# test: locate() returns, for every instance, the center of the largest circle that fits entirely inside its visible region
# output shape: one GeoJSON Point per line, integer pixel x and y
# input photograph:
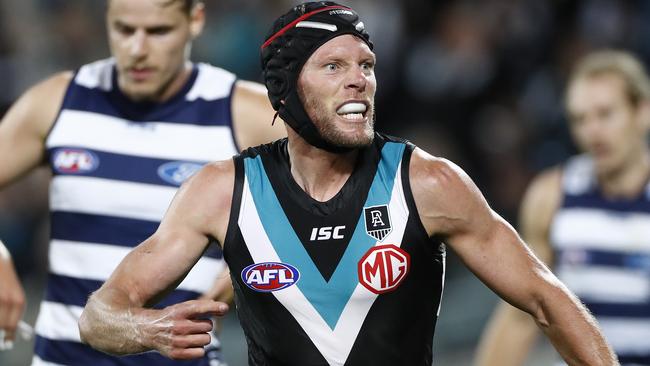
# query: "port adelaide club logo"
{"type": "Point", "coordinates": [270, 276]}
{"type": "Point", "coordinates": [377, 221]}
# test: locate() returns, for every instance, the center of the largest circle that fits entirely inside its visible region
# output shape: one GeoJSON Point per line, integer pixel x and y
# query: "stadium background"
{"type": "Point", "coordinates": [476, 81]}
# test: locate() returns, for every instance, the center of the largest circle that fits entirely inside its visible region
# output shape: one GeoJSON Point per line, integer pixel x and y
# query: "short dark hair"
{"type": "Point", "coordinates": [187, 4]}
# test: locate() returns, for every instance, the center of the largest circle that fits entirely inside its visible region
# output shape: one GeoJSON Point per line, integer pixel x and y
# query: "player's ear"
{"type": "Point", "coordinates": [197, 19]}
{"type": "Point", "coordinates": [643, 115]}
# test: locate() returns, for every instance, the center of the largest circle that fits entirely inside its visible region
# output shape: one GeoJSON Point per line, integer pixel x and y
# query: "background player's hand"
{"type": "Point", "coordinates": [12, 300]}
{"type": "Point", "coordinates": [181, 331]}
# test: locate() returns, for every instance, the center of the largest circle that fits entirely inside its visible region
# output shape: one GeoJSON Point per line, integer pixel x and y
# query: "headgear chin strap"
{"type": "Point", "coordinates": [291, 41]}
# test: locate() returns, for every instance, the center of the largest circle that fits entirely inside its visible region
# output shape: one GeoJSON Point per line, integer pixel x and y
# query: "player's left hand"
{"type": "Point", "coordinates": [181, 331]}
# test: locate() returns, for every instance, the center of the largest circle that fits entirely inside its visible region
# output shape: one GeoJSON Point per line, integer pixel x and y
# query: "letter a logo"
{"type": "Point", "coordinates": [377, 221]}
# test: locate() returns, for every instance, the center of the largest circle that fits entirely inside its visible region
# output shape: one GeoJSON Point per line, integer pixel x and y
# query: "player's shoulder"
{"type": "Point", "coordinates": [274, 148]}
{"type": "Point", "coordinates": [55, 84]}
{"type": "Point", "coordinates": [39, 105]}
{"type": "Point", "coordinates": [435, 172]}
{"type": "Point", "coordinates": [214, 174]}
{"type": "Point", "coordinates": [545, 186]}
{"type": "Point", "coordinates": [250, 94]}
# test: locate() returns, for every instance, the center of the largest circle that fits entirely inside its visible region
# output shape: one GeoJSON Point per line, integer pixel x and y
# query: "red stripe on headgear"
{"type": "Point", "coordinates": [300, 19]}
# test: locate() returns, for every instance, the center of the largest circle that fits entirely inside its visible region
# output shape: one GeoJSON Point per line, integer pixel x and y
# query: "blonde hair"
{"type": "Point", "coordinates": [621, 63]}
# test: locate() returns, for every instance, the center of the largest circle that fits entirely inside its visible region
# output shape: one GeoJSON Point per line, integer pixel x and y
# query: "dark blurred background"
{"type": "Point", "coordinates": [476, 81]}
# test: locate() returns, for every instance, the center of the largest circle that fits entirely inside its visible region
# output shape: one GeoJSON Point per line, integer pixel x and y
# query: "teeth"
{"type": "Point", "coordinates": [349, 108]}
{"type": "Point", "coordinates": [352, 115]}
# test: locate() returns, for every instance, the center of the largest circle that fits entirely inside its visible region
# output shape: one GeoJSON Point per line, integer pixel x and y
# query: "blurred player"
{"type": "Point", "coordinates": [120, 136]}
{"type": "Point", "coordinates": [590, 218]}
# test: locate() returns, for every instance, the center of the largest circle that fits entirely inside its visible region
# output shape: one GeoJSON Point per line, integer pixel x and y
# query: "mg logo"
{"type": "Point", "coordinates": [383, 268]}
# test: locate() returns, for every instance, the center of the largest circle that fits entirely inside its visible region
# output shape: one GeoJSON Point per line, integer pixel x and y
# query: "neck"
{"type": "Point", "coordinates": [320, 173]}
{"type": "Point", "coordinates": [176, 83]}
{"type": "Point", "coordinates": [167, 90]}
{"type": "Point", "coordinates": [629, 180]}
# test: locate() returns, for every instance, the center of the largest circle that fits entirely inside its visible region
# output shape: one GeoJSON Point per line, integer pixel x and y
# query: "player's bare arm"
{"type": "Point", "coordinates": [510, 334]}
{"type": "Point", "coordinates": [451, 206]}
{"type": "Point", "coordinates": [25, 126]}
{"type": "Point", "coordinates": [116, 319]}
{"type": "Point", "coordinates": [253, 115]}
{"type": "Point", "coordinates": [23, 130]}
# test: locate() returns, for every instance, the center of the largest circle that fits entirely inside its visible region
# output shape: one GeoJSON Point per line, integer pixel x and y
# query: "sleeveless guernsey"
{"type": "Point", "coordinates": [602, 253]}
{"type": "Point", "coordinates": [351, 281]}
{"type": "Point", "coordinates": [116, 165]}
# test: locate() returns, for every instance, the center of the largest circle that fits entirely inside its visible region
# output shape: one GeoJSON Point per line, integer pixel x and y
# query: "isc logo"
{"type": "Point", "coordinates": [326, 233]}
{"type": "Point", "coordinates": [383, 268]}
{"type": "Point", "coordinates": [270, 276]}
{"type": "Point", "coordinates": [74, 161]}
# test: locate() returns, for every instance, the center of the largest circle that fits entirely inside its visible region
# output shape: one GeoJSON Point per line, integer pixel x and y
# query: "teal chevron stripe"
{"type": "Point", "coordinates": [328, 298]}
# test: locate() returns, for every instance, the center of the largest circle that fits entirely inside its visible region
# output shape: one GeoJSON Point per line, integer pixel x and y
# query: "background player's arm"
{"type": "Point", "coordinates": [23, 130]}
{"type": "Point", "coordinates": [253, 114]}
{"type": "Point", "coordinates": [116, 319]}
{"type": "Point", "coordinates": [25, 126]}
{"type": "Point", "coordinates": [222, 289]}
{"type": "Point", "coordinates": [511, 333]}
{"type": "Point", "coordinates": [451, 206]}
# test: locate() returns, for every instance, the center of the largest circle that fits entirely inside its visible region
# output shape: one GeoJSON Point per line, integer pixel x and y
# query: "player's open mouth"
{"type": "Point", "coordinates": [140, 73]}
{"type": "Point", "coordinates": [353, 111]}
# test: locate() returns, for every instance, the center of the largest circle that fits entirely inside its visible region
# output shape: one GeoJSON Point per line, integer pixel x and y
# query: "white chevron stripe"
{"type": "Point", "coordinates": [335, 345]}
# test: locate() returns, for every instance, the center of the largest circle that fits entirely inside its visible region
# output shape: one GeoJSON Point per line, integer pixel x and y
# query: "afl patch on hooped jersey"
{"type": "Point", "coordinates": [74, 161]}
{"type": "Point", "coordinates": [270, 276]}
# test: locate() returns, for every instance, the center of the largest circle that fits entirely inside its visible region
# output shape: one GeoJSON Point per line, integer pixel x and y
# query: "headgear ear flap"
{"type": "Point", "coordinates": [276, 83]}
{"type": "Point", "coordinates": [292, 39]}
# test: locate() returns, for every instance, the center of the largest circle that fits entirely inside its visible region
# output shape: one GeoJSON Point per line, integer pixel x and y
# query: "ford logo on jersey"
{"type": "Point", "coordinates": [270, 276]}
{"type": "Point", "coordinates": [177, 172]}
{"type": "Point", "coordinates": [74, 161]}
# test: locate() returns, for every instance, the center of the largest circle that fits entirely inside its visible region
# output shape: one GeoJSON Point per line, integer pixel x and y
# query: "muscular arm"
{"type": "Point", "coordinates": [25, 126]}
{"type": "Point", "coordinates": [253, 114]}
{"type": "Point", "coordinates": [452, 207]}
{"type": "Point", "coordinates": [116, 318]}
{"type": "Point", "coordinates": [510, 334]}
{"type": "Point", "coordinates": [22, 144]}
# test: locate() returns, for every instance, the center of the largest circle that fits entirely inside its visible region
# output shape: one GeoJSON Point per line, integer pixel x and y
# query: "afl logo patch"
{"type": "Point", "coordinates": [74, 161]}
{"type": "Point", "coordinates": [377, 221]}
{"type": "Point", "coordinates": [270, 276]}
{"type": "Point", "coordinates": [177, 172]}
{"type": "Point", "coordinates": [383, 268]}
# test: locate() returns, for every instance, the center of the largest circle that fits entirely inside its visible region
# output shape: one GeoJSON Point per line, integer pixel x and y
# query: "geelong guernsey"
{"type": "Point", "coordinates": [602, 253]}
{"type": "Point", "coordinates": [352, 281]}
{"type": "Point", "coordinates": [116, 165]}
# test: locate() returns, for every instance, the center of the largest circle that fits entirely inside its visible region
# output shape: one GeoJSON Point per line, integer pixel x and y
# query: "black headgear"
{"type": "Point", "coordinates": [292, 39]}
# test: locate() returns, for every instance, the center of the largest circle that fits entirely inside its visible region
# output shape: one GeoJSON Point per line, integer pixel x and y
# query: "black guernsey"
{"type": "Point", "coordinates": [351, 281]}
